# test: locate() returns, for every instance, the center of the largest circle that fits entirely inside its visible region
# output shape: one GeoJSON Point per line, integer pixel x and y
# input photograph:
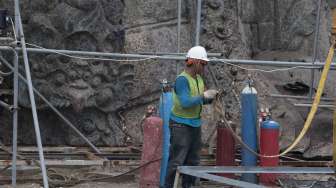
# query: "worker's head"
{"type": "Point", "coordinates": [197, 58]}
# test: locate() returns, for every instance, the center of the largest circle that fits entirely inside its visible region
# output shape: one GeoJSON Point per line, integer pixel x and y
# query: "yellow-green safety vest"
{"type": "Point", "coordinates": [196, 87]}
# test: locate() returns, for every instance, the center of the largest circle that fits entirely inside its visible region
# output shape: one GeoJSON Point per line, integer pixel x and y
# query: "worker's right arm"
{"type": "Point", "coordinates": [182, 91]}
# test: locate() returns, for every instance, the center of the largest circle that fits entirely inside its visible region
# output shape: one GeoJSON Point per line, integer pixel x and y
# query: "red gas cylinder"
{"type": "Point", "coordinates": [269, 145]}
{"type": "Point", "coordinates": [151, 153]}
{"type": "Point", "coordinates": [225, 152]}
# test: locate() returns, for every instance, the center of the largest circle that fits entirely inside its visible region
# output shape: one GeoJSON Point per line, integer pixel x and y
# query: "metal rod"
{"type": "Point", "coordinates": [179, 7]}
{"type": "Point", "coordinates": [15, 115]}
{"type": "Point", "coordinates": [55, 110]}
{"type": "Point", "coordinates": [317, 65]}
{"type": "Point", "coordinates": [297, 97]}
{"type": "Point", "coordinates": [320, 106]}
{"type": "Point", "coordinates": [198, 22]}
{"type": "Point", "coordinates": [256, 169]}
{"type": "Point", "coordinates": [16, 21]}
{"type": "Point", "coordinates": [316, 36]}
{"type": "Point", "coordinates": [178, 54]}
{"type": "Point", "coordinates": [223, 180]}
{"type": "Point", "coordinates": [6, 106]}
{"type": "Point", "coordinates": [31, 95]}
{"type": "Point", "coordinates": [97, 54]}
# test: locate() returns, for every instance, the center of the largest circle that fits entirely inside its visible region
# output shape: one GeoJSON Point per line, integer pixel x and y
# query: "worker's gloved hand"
{"type": "Point", "coordinates": [210, 94]}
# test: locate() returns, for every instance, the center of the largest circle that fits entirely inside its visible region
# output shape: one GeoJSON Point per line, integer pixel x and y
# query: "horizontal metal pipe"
{"type": "Point", "coordinates": [298, 97]}
{"type": "Point", "coordinates": [317, 65]}
{"type": "Point", "coordinates": [273, 63]}
{"type": "Point", "coordinates": [224, 180]}
{"type": "Point", "coordinates": [255, 169]}
{"type": "Point", "coordinates": [320, 106]}
{"type": "Point", "coordinates": [178, 54]}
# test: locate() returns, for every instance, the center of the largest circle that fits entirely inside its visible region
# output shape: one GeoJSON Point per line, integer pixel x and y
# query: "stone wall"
{"type": "Point", "coordinates": [107, 99]}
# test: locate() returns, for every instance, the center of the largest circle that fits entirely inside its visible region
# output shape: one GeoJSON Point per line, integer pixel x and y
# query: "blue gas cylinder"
{"type": "Point", "coordinates": [166, 104]}
{"type": "Point", "coordinates": [249, 130]}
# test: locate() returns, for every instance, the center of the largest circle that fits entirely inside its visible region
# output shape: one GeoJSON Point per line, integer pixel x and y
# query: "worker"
{"type": "Point", "coordinates": [185, 120]}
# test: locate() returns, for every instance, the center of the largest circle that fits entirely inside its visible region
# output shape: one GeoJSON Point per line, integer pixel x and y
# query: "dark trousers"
{"type": "Point", "coordinates": [185, 146]}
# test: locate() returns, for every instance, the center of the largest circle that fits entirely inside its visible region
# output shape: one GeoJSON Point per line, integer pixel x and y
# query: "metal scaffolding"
{"type": "Point", "coordinates": [198, 22]}
{"type": "Point", "coordinates": [206, 172]}
{"type": "Point", "coordinates": [202, 172]}
{"type": "Point", "coordinates": [31, 93]}
{"type": "Point", "coordinates": [123, 56]}
{"type": "Point", "coordinates": [179, 7]}
{"type": "Point", "coordinates": [316, 37]}
{"type": "Point", "coordinates": [14, 110]}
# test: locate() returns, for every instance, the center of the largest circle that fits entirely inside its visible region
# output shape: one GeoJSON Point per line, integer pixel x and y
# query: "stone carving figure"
{"type": "Point", "coordinates": [88, 90]}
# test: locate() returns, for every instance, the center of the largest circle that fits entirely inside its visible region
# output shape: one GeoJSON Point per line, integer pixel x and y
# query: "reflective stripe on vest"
{"type": "Point", "coordinates": [196, 87]}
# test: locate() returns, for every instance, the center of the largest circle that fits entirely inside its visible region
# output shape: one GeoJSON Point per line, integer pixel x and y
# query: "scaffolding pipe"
{"type": "Point", "coordinates": [179, 7]}
{"type": "Point", "coordinates": [318, 65]}
{"type": "Point", "coordinates": [309, 105]}
{"type": "Point", "coordinates": [316, 36]}
{"type": "Point", "coordinates": [297, 97]}
{"type": "Point", "coordinates": [198, 22]}
{"type": "Point", "coordinates": [6, 106]}
{"type": "Point", "coordinates": [178, 54]}
{"type": "Point", "coordinates": [220, 179]}
{"type": "Point", "coordinates": [31, 94]}
{"type": "Point", "coordinates": [55, 110]}
{"type": "Point", "coordinates": [303, 65]}
{"type": "Point", "coordinates": [256, 169]}
{"type": "Point", "coordinates": [15, 114]}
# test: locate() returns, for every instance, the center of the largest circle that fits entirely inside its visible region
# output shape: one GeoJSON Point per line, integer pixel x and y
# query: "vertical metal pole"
{"type": "Point", "coordinates": [31, 94]}
{"type": "Point", "coordinates": [316, 36]}
{"type": "Point", "coordinates": [15, 116]}
{"type": "Point", "coordinates": [198, 22]}
{"type": "Point", "coordinates": [16, 21]}
{"type": "Point", "coordinates": [334, 137]}
{"type": "Point", "coordinates": [179, 7]}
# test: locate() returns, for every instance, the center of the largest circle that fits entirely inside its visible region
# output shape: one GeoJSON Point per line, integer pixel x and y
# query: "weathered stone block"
{"type": "Point", "coordinates": [265, 35]}
{"type": "Point", "coordinates": [248, 12]}
{"type": "Point", "coordinates": [265, 10]}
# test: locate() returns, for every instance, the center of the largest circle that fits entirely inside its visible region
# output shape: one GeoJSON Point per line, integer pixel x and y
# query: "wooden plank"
{"type": "Point", "coordinates": [58, 149]}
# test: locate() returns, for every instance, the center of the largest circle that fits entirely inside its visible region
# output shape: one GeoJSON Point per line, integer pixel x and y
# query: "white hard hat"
{"type": "Point", "coordinates": [198, 52]}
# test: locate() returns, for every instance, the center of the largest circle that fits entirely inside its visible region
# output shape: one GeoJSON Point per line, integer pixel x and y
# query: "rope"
{"type": "Point", "coordinates": [93, 58]}
{"type": "Point", "coordinates": [130, 171]}
{"type": "Point", "coordinates": [260, 70]}
{"type": "Point", "coordinates": [221, 115]}
{"type": "Point", "coordinates": [316, 102]}
{"type": "Point", "coordinates": [5, 73]}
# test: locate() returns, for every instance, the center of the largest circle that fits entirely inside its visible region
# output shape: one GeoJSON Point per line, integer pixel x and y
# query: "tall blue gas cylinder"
{"type": "Point", "coordinates": [166, 104]}
{"type": "Point", "coordinates": [249, 130]}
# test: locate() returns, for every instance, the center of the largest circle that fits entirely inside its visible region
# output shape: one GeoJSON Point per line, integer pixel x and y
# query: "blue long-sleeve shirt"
{"type": "Point", "coordinates": [182, 91]}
